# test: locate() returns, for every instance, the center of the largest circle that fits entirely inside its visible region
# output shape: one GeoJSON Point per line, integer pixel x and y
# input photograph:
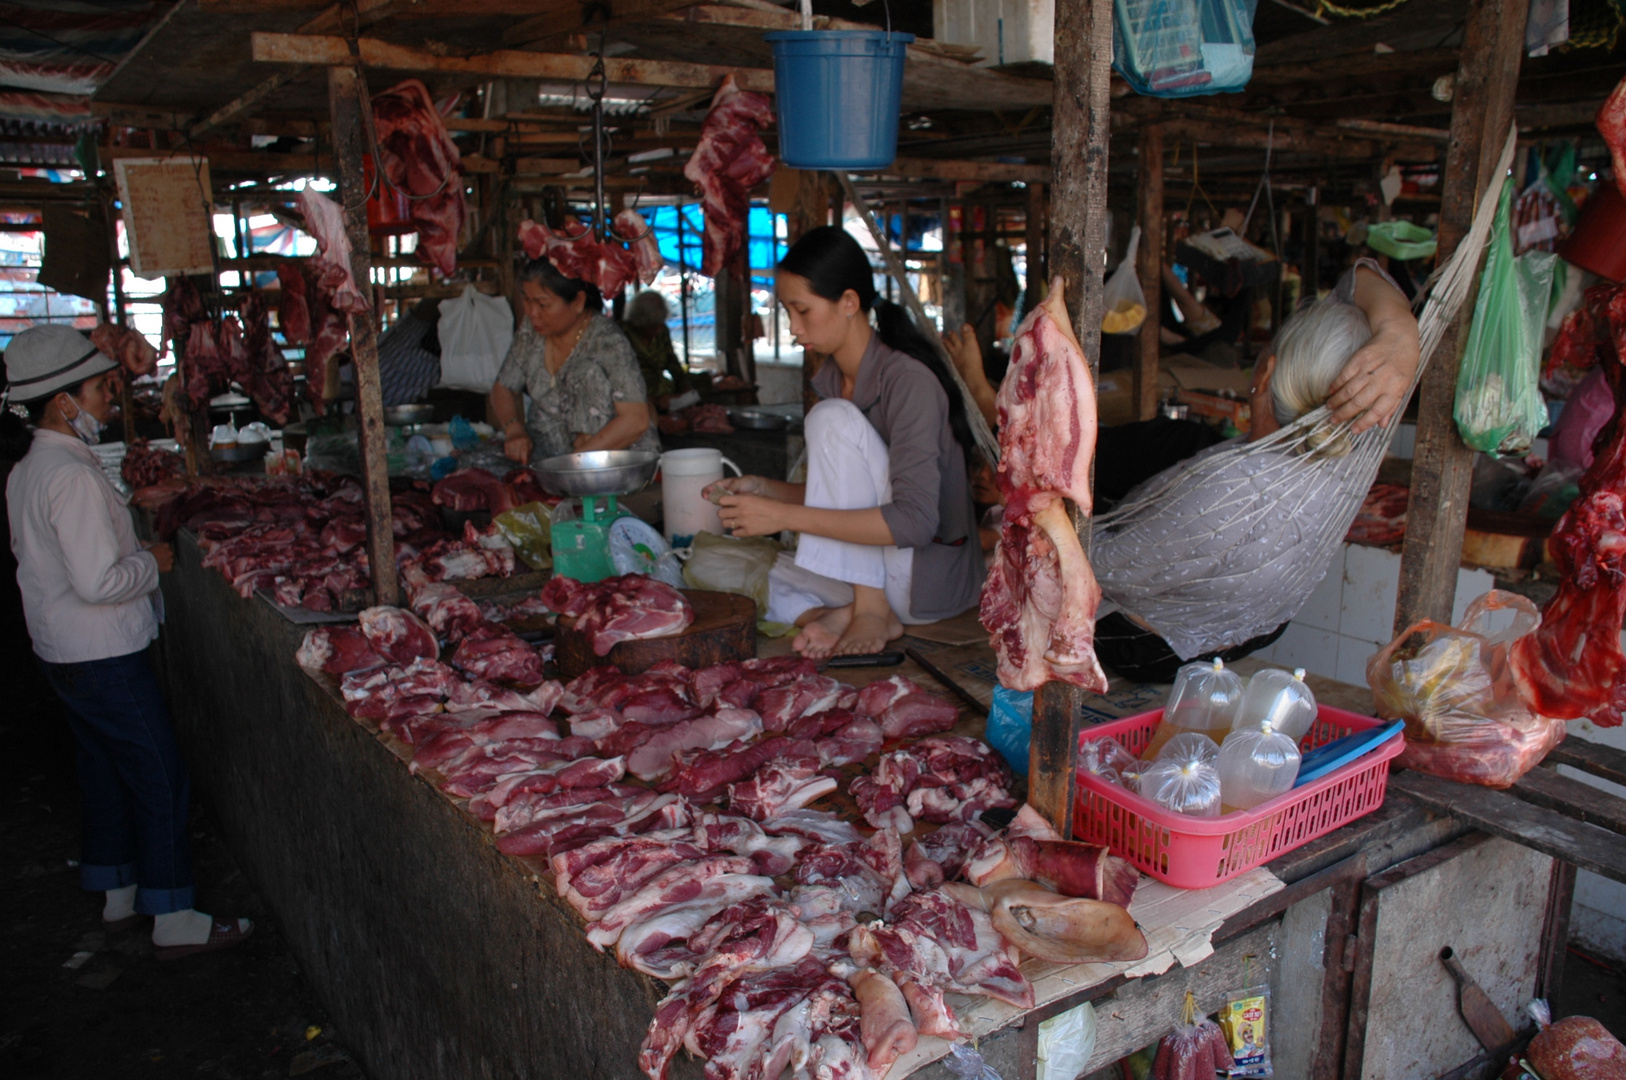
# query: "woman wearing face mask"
{"type": "Point", "coordinates": [888, 528]}
{"type": "Point", "coordinates": [91, 600]}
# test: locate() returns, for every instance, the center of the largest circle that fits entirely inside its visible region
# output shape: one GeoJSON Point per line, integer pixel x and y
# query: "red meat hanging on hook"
{"type": "Point", "coordinates": [575, 254]}
{"type": "Point", "coordinates": [422, 163]}
{"type": "Point", "coordinates": [727, 164]}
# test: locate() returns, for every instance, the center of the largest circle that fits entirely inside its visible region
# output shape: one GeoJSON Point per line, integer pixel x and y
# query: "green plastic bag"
{"type": "Point", "coordinates": [1400, 239]}
{"type": "Point", "coordinates": [1499, 408]}
{"type": "Point", "coordinates": [529, 531]}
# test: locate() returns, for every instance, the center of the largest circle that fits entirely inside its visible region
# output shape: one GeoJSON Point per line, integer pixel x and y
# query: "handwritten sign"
{"type": "Point", "coordinates": [165, 215]}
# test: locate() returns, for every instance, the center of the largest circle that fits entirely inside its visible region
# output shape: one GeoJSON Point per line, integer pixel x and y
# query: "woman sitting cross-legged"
{"type": "Point", "coordinates": [888, 528]}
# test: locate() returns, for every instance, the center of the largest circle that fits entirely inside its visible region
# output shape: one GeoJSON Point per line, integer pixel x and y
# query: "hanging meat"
{"type": "Point", "coordinates": [727, 164]}
{"type": "Point", "coordinates": [1612, 126]}
{"type": "Point", "coordinates": [1572, 665]}
{"type": "Point", "coordinates": [1040, 598]}
{"type": "Point", "coordinates": [268, 380]}
{"type": "Point", "coordinates": [130, 348]}
{"type": "Point", "coordinates": [646, 250]}
{"type": "Point", "coordinates": [325, 219]}
{"type": "Point", "coordinates": [575, 254]}
{"type": "Point", "coordinates": [294, 312]}
{"type": "Point", "coordinates": [421, 160]}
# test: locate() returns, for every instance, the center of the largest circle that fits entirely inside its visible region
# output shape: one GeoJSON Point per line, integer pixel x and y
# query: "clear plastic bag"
{"type": "Point", "coordinates": [966, 1064]}
{"type": "Point", "coordinates": [1282, 699]}
{"type": "Point", "coordinates": [1180, 48]}
{"type": "Point", "coordinates": [1108, 759]}
{"type": "Point", "coordinates": [475, 332]}
{"type": "Point", "coordinates": [1452, 685]}
{"type": "Point", "coordinates": [1499, 408]}
{"type": "Point", "coordinates": [734, 565]}
{"type": "Point", "coordinates": [1256, 764]}
{"type": "Point", "coordinates": [1205, 699]}
{"type": "Point", "coordinates": [1185, 779]}
{"type": "Point", "coordinates": [1124, 303]}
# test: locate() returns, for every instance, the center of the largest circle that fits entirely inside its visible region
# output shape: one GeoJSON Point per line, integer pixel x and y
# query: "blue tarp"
{"type": "Point", "coordinates": [766, 251]}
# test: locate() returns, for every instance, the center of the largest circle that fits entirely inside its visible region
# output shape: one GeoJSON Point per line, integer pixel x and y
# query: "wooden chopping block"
{"type": "Point", "coordinates": [724, 629]}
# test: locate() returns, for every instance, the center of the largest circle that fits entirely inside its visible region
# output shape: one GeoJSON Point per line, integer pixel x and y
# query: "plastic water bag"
{"type": "Point", "coordinates": [1185, 778]}
{"type": "Point", "coordinates": [1283, 700]}
{"type": "Point", "coordinates": [1255, 764]}
{"type": "Point", "coordinates": [1108, 759]}
{"type": "Point", "coordinates": [1205, 699]}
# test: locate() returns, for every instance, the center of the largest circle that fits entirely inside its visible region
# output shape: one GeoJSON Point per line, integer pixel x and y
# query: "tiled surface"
{"type": "Point", "coordinates": [1371, 579]}
{"type": "Point", "coordinates": [1403, 443]}
{"type": "Point", "coordinates": [1321, 610]}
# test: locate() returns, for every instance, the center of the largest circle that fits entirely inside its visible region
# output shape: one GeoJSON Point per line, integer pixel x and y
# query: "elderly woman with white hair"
{"type": "Point", "coordinates": [644, 323]}
{"type": "Point", "coordinates": [1354, 351]}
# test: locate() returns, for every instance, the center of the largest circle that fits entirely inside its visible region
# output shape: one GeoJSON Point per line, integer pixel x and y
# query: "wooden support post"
{"type": "Point", "coordinates": [1080, 130]}
{"type": "Point", "coordinates": [1036, 228]}
{"type": "Point", "coordinates": [1150, 269]}
{"type": "Point", "coordinates": [347, 98]}
{"type": "Point", "coordinates": [1442, 468]}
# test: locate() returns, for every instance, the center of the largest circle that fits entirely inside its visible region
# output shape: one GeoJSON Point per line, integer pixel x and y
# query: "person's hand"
{"type": "Point", "coordinates": [735, 485]}
{"type": "Point", "coordinates": [580, 441]}
{"type": "Point", "coordinates": [164, 555]}
{"type": "Point", "coordinates": [966, 353]}
{"type": "Point", "coordinates": [751, 515]}
{"type": "Point", "coordinates": [1376, 380]}
{"type": "Point", "coordinates": [517, 447]}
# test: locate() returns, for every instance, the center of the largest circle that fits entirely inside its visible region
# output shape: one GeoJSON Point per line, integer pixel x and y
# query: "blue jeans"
{"type": "Point", "coordinates": [136, 792]}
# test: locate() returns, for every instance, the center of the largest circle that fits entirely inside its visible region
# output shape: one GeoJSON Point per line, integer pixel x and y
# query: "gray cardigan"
{"type": "Point", "coordinates": [931, 509]}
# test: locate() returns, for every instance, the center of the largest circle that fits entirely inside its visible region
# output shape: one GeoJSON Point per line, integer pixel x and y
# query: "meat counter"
{"type": "Point", "coordinates": [441, 957]}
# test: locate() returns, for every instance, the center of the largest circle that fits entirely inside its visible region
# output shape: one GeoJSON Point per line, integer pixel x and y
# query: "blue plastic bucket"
{"type": "Point", "coordinates": [838, 94]}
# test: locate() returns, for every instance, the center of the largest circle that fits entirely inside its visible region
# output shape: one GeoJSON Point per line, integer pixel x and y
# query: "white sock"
{"type": "Point", "coordinates": [120, 904]}
{"type": "Point", "coordinates": [186, 927]}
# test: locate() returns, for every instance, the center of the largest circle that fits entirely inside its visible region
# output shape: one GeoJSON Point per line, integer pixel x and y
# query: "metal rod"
{"type": "Point", "coordinates": [683, 288]}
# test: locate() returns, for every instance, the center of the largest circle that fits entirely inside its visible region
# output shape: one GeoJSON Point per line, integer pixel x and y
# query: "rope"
{"type": "Point", "coordinates": [1381, 8]}
{"type": "Point", "coordinates": [1310, 476]}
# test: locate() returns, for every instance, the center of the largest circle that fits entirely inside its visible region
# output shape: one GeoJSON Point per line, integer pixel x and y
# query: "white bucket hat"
{"type": "Point", "coordinates": [45, 359]}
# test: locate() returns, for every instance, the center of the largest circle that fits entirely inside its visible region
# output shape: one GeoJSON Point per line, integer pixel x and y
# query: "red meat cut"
{"type": "Point", "coordinates": [420, 158]}
{"type": "Point", "coordinates": [1572, 665]}
{"type": "Point", "coordinates": [1040, 598]}
{"type": "Point", "coordinates": [325, 219]}
{"type": "Point", "coordinates": [619, 609]}
{"type": "Point", "coordinates": [727, 164]}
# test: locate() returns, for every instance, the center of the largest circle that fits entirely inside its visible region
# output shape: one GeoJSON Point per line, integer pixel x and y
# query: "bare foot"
{"type": "Point", "coordinates": [821, 634]}
{"type": "Point", "coordinates": [868, 633]}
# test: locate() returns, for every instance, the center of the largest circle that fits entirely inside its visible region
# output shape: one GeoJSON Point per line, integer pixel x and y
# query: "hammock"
{"type": "Point", "coordinates": [1310, 477]}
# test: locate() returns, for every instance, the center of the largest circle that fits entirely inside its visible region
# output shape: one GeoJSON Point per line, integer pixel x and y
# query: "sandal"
{"type": "Point", "coordinates": [222, 935]}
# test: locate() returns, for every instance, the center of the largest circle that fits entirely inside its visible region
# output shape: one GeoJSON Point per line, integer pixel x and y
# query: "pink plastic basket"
{"type": "Point", "coordinates": [1195, 853]}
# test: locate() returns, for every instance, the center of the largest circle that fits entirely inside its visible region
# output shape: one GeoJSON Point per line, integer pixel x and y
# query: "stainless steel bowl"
{"type": "Point", "coordinates": [758, 420]}
{"type": "Point", "coordinates": [402, 415]}
{"type": "Point", "coordinates": [598, 472]}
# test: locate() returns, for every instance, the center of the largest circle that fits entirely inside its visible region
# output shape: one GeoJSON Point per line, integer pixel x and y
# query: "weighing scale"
{"type": "Point", "coordinates": [581, 546]}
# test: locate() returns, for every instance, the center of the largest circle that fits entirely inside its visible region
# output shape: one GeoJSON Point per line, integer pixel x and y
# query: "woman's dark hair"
{"type": "Point", "coordinates": [16, 434]}
{"type": "Point", "coordinates": [832, 262]}
{"type": "Point", "coordinates": [545, 274]}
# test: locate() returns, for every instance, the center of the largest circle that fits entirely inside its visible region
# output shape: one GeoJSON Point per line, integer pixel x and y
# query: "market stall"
{"type": "Point", "coordinates": [364, 775]}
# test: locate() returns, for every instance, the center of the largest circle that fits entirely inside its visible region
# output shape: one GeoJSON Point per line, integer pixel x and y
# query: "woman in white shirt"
{"type": "Point", "coordinates": [91, 600]}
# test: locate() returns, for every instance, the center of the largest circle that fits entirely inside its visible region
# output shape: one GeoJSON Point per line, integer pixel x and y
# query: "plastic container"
{"type": "Point", "coordinates": [1282, 699]}
{"type": "Point", "coordinates": [1195, 853]}
{"type": "Point", "coordinates": [1205, 699]}
{"type": "Point", "coordinates": [684, 475]}
{"type": "Point", "coordinates": [838, 95]}
{"type": "Point", "coordinates": [1256, 764]}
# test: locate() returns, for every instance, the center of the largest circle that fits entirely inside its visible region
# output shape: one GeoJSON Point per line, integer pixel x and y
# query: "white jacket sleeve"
{"type": "Point", "coordinates": [90, 545]}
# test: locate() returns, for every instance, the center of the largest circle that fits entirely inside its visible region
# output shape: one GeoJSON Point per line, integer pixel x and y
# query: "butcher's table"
{"type": "Point", "coordinates": [440, 957]}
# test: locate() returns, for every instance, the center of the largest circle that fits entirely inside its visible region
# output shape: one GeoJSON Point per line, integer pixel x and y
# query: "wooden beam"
{"type": "Point", "coordinates": [1215, 132]}
{"type": "Point", "coordinates": [1571, 114]}
{"type": "Point", "coordinates": [1149, 184]}
{"type": "Point", "coordinates": [347, 98]}
{"type": "Point", "coordinates": [317, 163]}
{"type": "Point", "coordinates": [1404, 131]}
{"type": "Point", "coordinates": [1081, 131]}
{"type": "Point", "coordinates": [503, 64]}
{"type": "Point", "coordinates": [417, 9]}
{"type": "Point", "coordinates": [979, 171]}
{"type": "Point", "coordinates": [551, 21]}
{"type": "Point", "coordinates": [246, 101]}
{"type": "Point", "coordinates": [1442, 466]}
{"type": "Point", "coordinates": [1419, 61]}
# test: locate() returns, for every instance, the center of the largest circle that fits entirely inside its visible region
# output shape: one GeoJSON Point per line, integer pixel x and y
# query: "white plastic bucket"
{"type": "Point", "coordinates": [684, 475]}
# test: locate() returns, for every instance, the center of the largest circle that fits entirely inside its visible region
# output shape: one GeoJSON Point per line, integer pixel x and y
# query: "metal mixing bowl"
{"type": "Point", "coordinates": [598, 472]}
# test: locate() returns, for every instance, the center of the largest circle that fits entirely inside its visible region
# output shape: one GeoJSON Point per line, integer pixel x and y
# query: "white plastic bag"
{"type": "Point", "coordinates": [1125, 302]}
{"type": "Point", "coordinates": [475, 333]}
{"type": "Point", "coordinates": [1066, 1043]}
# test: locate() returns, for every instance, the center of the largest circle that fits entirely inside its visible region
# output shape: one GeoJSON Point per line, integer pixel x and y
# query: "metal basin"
{"type": "Point", "coordinates": [402, 415]}
{"type": "Point", "coordinates": [598, 472]}
{"type": "Point", "coordinates": [757, 420]}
